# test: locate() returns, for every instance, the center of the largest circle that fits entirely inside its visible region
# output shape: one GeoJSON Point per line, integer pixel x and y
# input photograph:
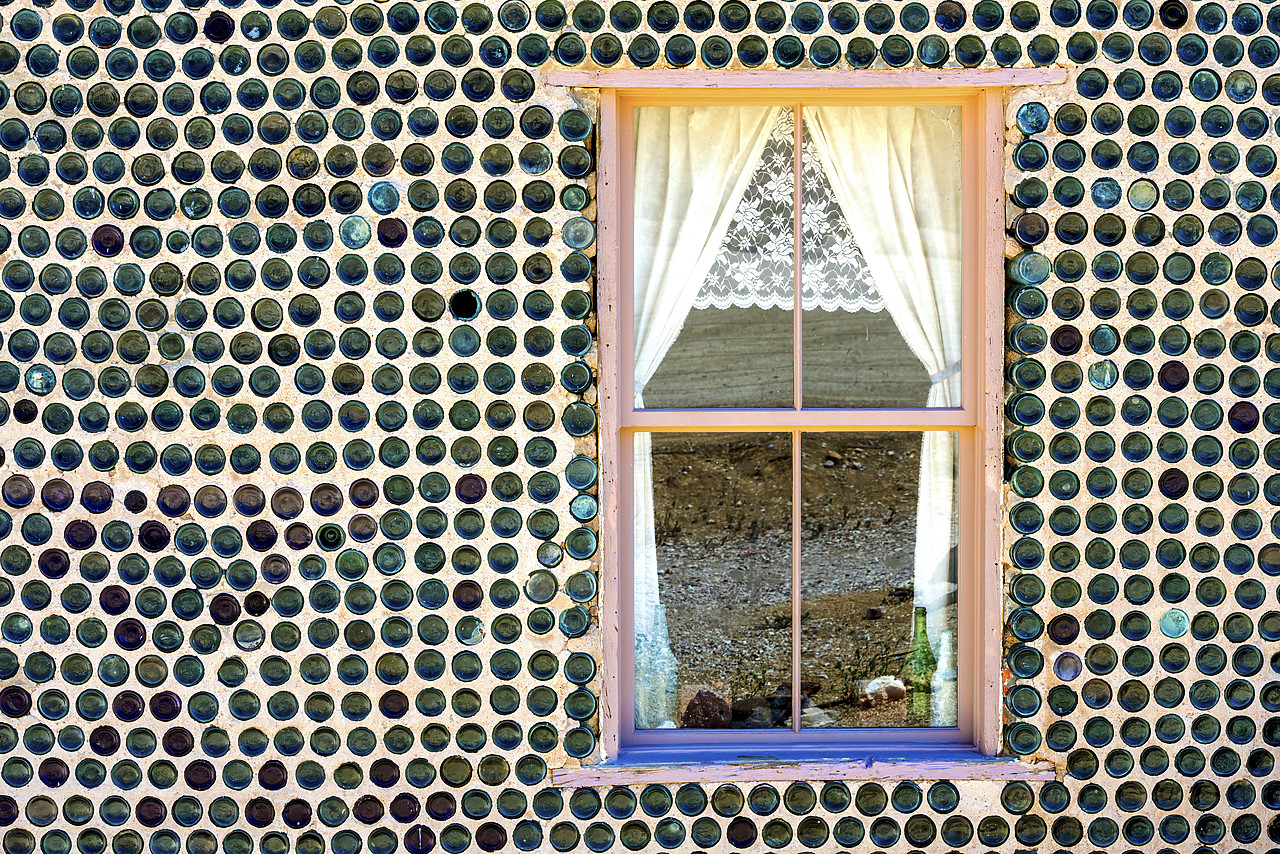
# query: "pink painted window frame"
{"type": "Point", "coordinates": [981, 596]}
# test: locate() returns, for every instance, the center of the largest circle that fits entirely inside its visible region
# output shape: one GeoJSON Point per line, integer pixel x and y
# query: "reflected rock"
{"type": "Point", "coordinates": [754, 713]}
{"type": "Point", "coordinates": [884, 689]}
{"type": "Point", "coordinates": [813, 716]}
{"type": "Point", "coordinates": [707, 710]}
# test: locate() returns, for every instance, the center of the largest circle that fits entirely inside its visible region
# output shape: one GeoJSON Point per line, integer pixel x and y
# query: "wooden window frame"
{"type": "Point", "coordinates": [966, 750]}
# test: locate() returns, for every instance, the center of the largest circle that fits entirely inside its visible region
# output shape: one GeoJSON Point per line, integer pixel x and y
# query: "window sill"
{"type": "Point", "coordinates": [636, 768]}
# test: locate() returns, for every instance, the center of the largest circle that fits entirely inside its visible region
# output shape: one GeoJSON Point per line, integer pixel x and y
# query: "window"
{"type": "Point", "coordinates": [797, 421]}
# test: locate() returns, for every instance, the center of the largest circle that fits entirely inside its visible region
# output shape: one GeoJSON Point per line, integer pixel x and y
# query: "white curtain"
{"type": "Point", "coordinates": [693, 165]}
{"type": "Point", "coordinates": [895, 171]}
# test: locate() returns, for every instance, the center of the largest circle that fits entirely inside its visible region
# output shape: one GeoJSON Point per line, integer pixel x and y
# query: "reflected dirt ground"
{"type": "Point", "coordinates": [722, 506]}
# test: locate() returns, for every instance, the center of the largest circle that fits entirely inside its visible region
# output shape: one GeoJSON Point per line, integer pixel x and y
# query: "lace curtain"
{"type": "Point", "coordinates": [754, 265]}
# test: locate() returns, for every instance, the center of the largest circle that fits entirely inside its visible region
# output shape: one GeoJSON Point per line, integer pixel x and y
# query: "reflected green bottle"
{"type": "Point", "coordinates": [923, 665]}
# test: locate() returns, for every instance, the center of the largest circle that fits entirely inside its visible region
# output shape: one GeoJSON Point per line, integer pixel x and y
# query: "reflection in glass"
{"type": "Point", "coordinates": [735, 357]}
{"type": "Point", "coordinates": [858, 359]}
{"type": "Point", "coordinates": [720, 574]}
{"type": "Point", "coordinates": [878, 583]}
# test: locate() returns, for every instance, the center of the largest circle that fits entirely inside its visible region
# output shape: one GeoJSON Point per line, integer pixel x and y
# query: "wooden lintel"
{"type": "Point", "coordinates": [806, 78]}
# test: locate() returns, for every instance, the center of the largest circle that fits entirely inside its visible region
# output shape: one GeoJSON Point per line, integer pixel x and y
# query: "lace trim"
{"type": "Point", "coordinates": [754, 266]}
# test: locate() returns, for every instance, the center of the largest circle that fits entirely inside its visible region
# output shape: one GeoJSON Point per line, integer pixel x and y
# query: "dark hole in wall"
{"type": "Point", "coordinates": [465, 305]}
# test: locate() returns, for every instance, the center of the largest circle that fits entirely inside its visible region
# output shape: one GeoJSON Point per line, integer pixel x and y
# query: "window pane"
{"type": "Point", "coordinates": [878, 579]}
{"type": "Point", "coordinates": [713, 246]}
{"type": "Point", "coordinates": [858, 359]}
{"type": "Point", "coordinates": [712, 581]}
{"type": "Point", "coordinates": [881, 256]}
{"type": "Point", "coordinates": [733, 357]}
